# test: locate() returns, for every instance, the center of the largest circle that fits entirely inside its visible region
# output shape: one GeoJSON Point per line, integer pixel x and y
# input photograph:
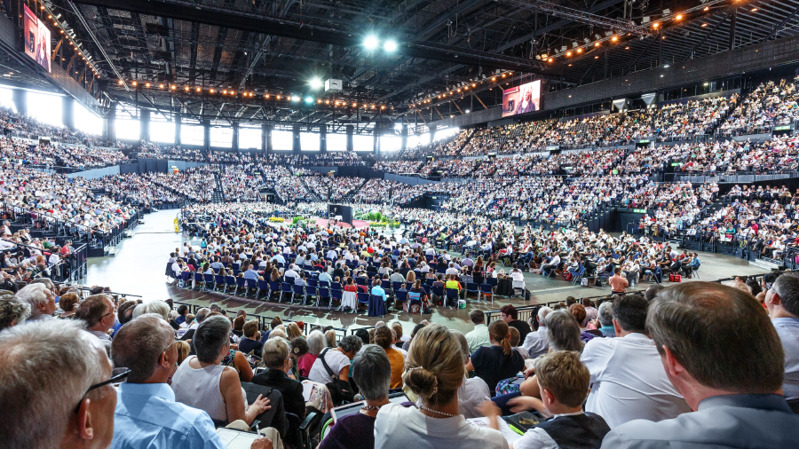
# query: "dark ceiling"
{"type": "Point", "coordinates": [275, 47]}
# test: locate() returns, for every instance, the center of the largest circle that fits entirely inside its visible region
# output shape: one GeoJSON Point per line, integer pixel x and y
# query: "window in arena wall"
{"type": "Point", "coordinates": [250, 138]}
{"type": "Point", "coordinates": [362, 143]}
{"type": "Point", "coordinates": [390, 143]}
{"type": "Point", "coordinates": [445, 133]}
{"type": "Point", "coordinates": [192, 134]}
{"type": "Point", "coordinates": [162, 131]}
{"type": "Point", "coordinates": [127, 129]}
{"type": "Point", "coordinates": [45, 108]}
{"type": "Point", "coordinates": [221, 136]}
{"type": "Point", "coordinates": [282, 140]}
{"type": "Point", "coordinates": [87, 121]}
{"type": "Point", "coordinates": [7, 99]}
{"type": "Point", "coordinates": [309, 141]}
{"type": "Point", "coordinates": [336, 142]}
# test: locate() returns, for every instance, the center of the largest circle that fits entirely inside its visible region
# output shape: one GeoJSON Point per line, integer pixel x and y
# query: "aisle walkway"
{"type": "Point", "coordinates": [138, 267]}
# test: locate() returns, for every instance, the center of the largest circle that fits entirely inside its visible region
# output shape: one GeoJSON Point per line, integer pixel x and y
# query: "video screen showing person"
{"type": "Point", "coordinates": [36, 37]}
{"type": "Point", "coordinates": [522, 99]}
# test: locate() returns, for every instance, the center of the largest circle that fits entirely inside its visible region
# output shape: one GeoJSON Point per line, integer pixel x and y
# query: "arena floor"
{"type": "Point", "coordinates": [139, 265]}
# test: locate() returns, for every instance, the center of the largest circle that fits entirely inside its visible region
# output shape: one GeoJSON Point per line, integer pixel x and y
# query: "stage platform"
{"type": "Point", "coordinates": [323, 222]}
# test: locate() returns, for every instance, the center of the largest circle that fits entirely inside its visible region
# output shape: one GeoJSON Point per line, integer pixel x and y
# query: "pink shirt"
{"type": "Point", "coordinates": [618, 283]}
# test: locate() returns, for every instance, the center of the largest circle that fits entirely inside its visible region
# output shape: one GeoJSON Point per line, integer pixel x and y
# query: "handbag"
{"type": "Point", "coordinates": [340, 390]}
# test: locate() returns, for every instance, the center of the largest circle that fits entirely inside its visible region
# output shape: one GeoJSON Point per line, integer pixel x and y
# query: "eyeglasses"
{"type": "Point", "coordinates": [121, 374]}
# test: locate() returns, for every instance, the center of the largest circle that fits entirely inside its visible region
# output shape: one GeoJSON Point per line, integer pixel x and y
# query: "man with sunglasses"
{"type": "Point", "coordinates": [38, 411]}
{"type": "Point", "coordinates": [99, 314]}
{"type": "Point", "coordinates": [147, 415]}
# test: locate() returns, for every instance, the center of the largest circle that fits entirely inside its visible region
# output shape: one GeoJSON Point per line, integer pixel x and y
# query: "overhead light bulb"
{"type": "Point", "coordinates": [371, 42]}
{"type": "Point", "coordinates": [390, 46]}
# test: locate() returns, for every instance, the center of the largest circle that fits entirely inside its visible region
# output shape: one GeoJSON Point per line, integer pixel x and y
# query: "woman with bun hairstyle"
{"type": "Point", "coordinates": [433, 373]}
{"type": "Point", "coordinates": [498, 361]}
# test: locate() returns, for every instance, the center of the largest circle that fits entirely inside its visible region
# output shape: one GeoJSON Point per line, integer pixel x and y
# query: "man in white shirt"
{"type": "Point", "coordinates": [537, 343]}
{"type": "Point", "coordinates": [627, 379]}
{"type": "Point", "coordinates": [478, 337]}
{"type": "Point", "coordinates": [782, 301]}
{"type": "Point", "coordinates": [451, 269]}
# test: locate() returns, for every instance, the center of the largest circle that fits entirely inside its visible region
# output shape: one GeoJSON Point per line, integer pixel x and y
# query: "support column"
{"type": "Point", "coordinates": [178, 119]}
{"type": "Point", "coordinates": [68, 112]}
{"type": "Point", "coordinates": [235, 144]}
{"type": "Point", "coordinates": [432, 127]}
{"type": "Point", "coordinates": [295, 136]}
{"type": "Point", "coordinates": [265, 140]}
{"type": "Point", "coordinates": [108, 124]}
{"type": "Point", "coordinates": [376, 144]}
{"type": "Point", "coordinates": [404, 134]}
{"type": "Point", "coordinates": [323, 139]}
{"type": "Point", "coordinates": [144, 125]}
{"type": "Point", "coordinates": [350, 130]}
{"type": "Point", "coordinates": [20, 98]}
{"type": "Point", "coordinates": [207, 134]}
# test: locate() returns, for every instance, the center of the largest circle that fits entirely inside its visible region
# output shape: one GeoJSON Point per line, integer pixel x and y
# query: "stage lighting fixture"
{"type": "Point", "coordinates": [390, 46]}
{"type": "Point", "coordinates": [308, 100]}
{"type": "Point", "coordinates": [316, 83]}
{"type": "Point", "coordinates": [371, 42]}
{"type": "Point", "coordinates": [295, 99]}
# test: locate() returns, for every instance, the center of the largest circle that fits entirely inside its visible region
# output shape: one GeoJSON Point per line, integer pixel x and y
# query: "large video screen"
{"type": "Point", "coordinates": [37, 39]}
{"type": "Point", "coordinates": [522, 99]}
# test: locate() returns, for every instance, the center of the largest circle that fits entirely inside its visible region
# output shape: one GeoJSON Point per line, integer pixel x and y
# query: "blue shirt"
{"type": "Point", "coordinates": [378, 291]}
{"type": "Point", "coordinates": [147, 416]}
{"type": "Point", "coordinates": [788, 331]}
{"type": "Point", "coordinates": [251, 274]}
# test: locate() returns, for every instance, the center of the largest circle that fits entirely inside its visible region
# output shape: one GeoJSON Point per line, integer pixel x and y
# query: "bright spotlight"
{"type": "Point", "coordinates": [371, 42]}
{"type": "Point", "coordinates": [316, 83]}
{"type": "Point", "coordinates": [309, 99]}
{"type": "Point", "coordinates": [390, 46]}
{"type": "Point", "coordinates": [295, 98]}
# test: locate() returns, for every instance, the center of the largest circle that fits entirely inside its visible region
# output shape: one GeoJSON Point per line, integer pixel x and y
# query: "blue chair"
{"type": "Point", "coordinates": [453, 296]}
{"type": "Point", "coordinates": [230, 281]}
{"type": "Point", "coordinates": [472, 287]}
{"type": "Point", "coordinates": [337, 295]}
{"type": "Point", "coordinates": [274, 288]}
{"type": "Point", "coordinates": [209, 281]}
{"type": "Point", "coordinates": [361, 280]}
{"type": "Point", "coordinates": [299, 290]}
{"type": "Point", "coordinates": [312, 282]}
{"type": "Point", "coordinates": [336, 286]}
{"type": "Point", "coordinates": [241, 284]}
{"type": "Point", "coordinates": [437, 293]}
{"type": "Point", "coordinates": [199, 280]}
{"type": "Point", "coordinates": [577, 277]}
{"type": "Point", "coordinates": [400, 296]}
{"type": "Point", "coordinates": [263, 286]}
{"type": "Point", "coordinates": [324, 293]}
{"type": "Point", "coordinates": [311, 292]}
{"type": "Point", "coordinates": [325, 284]}
{"type": "Point", "coordinates": [492, 281]}
{"type": "Point", "coordinates": [184, 279]}
{"type": "Point", "coordinates": [219, 281]}
{"type": "Point", "coordinates": [363, 299]}
{"type": "Point", "coordinates": [386, 284]}
{"type": "Point", "coordinates": [252, 285]}
{"type": "Point", "coordinates": [486, 289]}
{"type": "Point", "coordinates": [285, 288]}
{"type": "Point", "coordinates": [396, 285]}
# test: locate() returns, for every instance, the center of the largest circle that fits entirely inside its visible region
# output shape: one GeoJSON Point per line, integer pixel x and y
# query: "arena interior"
{"type": "Point", "coordinates": [374, 224]}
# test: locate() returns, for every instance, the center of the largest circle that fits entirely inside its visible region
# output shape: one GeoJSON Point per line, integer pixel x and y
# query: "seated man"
{"type": "Point", "coordinates": [626, 380]}
{"type": "Point", "coordinates": [738, 398]}
{"type": "Point", "coordinates": [782, 301]}
{"type": "Point", "coordinates": [146, 412]}
{"type": "Point", "coordinates": [36, 411]}
{"type": "Point", "coordinates": [563, 381]}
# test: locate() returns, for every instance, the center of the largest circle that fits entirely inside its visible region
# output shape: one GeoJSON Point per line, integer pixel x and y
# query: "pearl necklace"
{"type": "Point", "coordinates": [423, 407]}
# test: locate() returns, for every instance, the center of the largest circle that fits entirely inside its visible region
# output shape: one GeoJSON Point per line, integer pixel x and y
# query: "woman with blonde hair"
{"type": "Point", "coordinates": [293, 331]}
{"type": "Point", "coordinates": [433, 373]}
{"type": "Point", "coordinates": [498, 361]}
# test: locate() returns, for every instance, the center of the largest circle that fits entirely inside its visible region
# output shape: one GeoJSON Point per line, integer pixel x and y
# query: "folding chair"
{"type": "Point", "coordinates": [199, 280]}
{"type": "Point", "coordinates": [311, 292]}
{"type": "Point", "coordinates": [299, 290]}
{"type": "Point", "coordinates": [263, 286]}
{"type": "Point", "coordinates": [363, 299]}
{"type": "Point", "coordinates": [285, 287]}
{"type": "Point", "coordinates": [486, 289]}
{"type": "Point", "coordinates": [472, 287]}
{"type": "Point", "coordinates": [252, 286]}
{"type": "Point", "coordinates": [241, 283]}
{"type": "Point", "coordinates": [400, 296]}
{"type": "Point", "coordinates": [452, 296]}
{"type": "Point", "coordinates": [324, 292]}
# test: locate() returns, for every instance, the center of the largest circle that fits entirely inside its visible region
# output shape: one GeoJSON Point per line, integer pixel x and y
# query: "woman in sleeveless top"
{"type": "Point", "coordinates": [202, 382]}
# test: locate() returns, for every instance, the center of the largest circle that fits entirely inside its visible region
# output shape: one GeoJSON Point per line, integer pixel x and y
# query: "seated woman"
{"type": "Point", "coordinates": [434, 376]}
{"type": "Point", "coordinates": [498, 361]}
{"type": "Point", "coordinates": [384, 337]}
{"type": "Point", "coordinates": [276, 357]}
{"type": "Point", "coordinates": [337, 359]}
{"type": "Point", "coordinates": [371, 371]}
{"type": "Point", "coordinates": [203, 382]}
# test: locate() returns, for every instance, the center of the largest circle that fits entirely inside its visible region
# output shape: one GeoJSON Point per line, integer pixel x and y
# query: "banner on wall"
{"type": "Point", "coordinates": [36, 39]}
{"type": "Point", "coordinates": [522, 99]}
